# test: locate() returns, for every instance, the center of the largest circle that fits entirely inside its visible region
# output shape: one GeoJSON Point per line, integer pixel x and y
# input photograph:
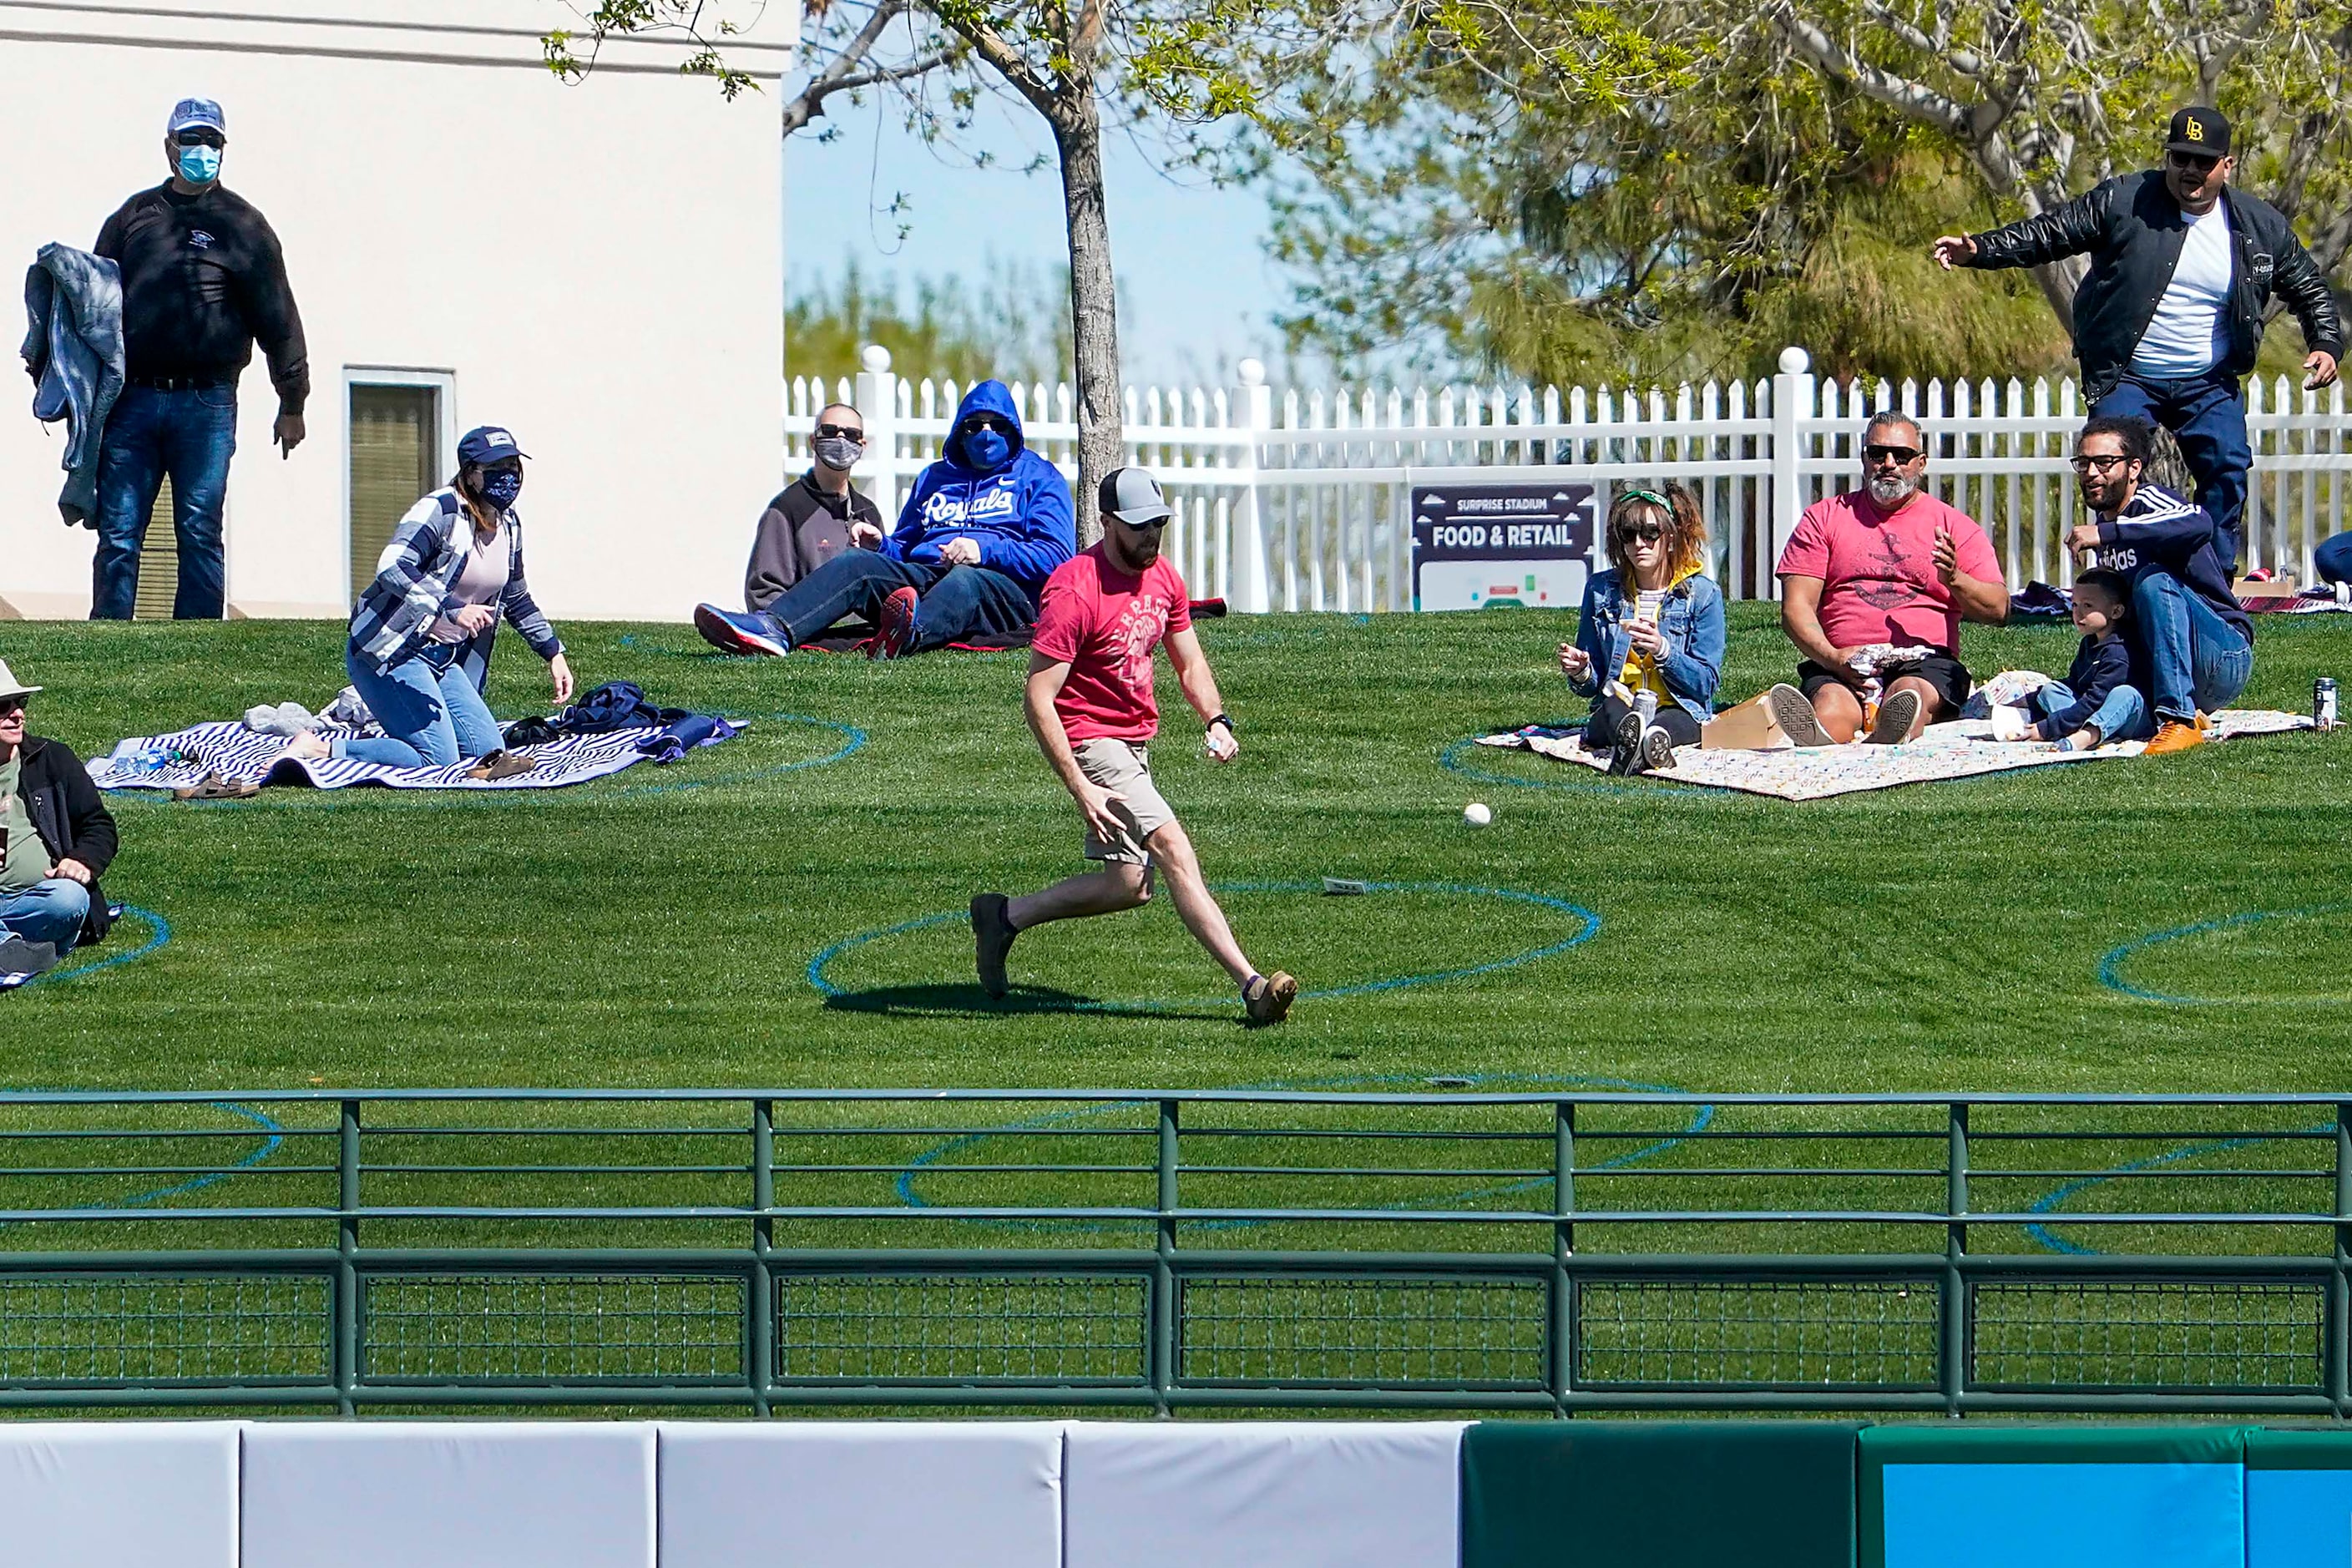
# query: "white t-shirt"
{"type": "Point", "coordinates": [2190, 333]}
{"type": "Point", "coordinates": [489, 563]}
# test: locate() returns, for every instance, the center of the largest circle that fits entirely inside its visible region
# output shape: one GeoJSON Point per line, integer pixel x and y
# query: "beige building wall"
{"type": "Point", "coordinates": [598, 267]}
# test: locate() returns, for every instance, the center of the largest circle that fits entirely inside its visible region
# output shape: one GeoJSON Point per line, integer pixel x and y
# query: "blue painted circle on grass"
{"type": "Point", "coordinates": [1589, 926]}
{"type": "Point", "coordinates": [1450, 759]}
{"type": "Point", "coordinates": [1701, 1118]}
{"type": "Point", "coordinates": [2110, 966]}
{"type": "Point", "coordinates": [159, 931]}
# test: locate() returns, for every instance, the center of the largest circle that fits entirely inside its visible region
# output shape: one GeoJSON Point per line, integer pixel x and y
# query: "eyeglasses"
{"type": "Point", "coordinates": [1878, 454]}
{"type": "Point", "coordinates": [198, 136]}
{"type": "Point", "coordinates": [841, 433]}
{"type": "Point", "coordinates": [990, 422]}
{"type": "Point", "coordinates": [2200, 163]}
{"type": "Point", "coordinates": [1647, 532]}
{"type": "Point", "coordinates": [2105, 462]}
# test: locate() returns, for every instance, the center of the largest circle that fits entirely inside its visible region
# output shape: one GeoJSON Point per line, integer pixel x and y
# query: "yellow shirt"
{"type": "Point", "coordinates": [1641, 671]}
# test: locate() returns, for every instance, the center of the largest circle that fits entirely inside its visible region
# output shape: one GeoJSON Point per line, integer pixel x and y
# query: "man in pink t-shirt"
{"type": "Point", "coordinates": [1091, 706]}
{"type": "Point", "coordinates": [1885, 564]}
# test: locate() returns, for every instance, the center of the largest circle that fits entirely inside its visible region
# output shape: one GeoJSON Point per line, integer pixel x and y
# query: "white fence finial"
{"type": "Point", "coordinates": [1252, 371]}
{"type": "Point", "coordinates": [875, 358]}
{"type": "Point", "coordinates": [1795, 360]}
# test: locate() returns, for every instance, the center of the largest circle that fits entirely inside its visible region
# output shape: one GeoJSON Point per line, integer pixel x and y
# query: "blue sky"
{"type": "Point", "coordinates": [1197, 289]}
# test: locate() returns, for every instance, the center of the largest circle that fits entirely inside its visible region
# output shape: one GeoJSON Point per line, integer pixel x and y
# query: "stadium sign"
{"type": "Point", "coordinates": [1477, 547]}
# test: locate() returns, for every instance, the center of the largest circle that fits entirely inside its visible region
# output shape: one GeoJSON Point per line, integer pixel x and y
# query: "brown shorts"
{"type": "Point", "coordinates": [1124, 767]}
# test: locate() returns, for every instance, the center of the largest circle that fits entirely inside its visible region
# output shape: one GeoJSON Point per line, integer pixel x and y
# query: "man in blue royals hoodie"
{"type": "Point", "coordinates": [2195, 640]}
{"type": "Point", "coordinates": [984, 528]}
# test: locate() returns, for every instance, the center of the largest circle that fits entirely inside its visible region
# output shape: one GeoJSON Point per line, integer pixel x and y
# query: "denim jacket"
{"type": "Point", "coordinates": [73, 346]}
{"type": "Point", "coordinates": [1691, 621]}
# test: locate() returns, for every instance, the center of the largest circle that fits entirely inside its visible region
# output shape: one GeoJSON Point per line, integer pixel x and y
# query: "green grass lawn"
{"type": "Point", "coordinates": [656, 929]}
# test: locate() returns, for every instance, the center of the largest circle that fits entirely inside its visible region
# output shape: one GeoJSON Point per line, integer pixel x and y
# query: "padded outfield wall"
{"type": "Point", "coordinates": [1169, 1495]}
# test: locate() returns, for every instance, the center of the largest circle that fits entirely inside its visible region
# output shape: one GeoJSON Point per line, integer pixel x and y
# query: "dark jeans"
{"type": "Point", "coordinates": [2333, 559]}
{"type": "Point", "coordinates": [189, 435]}
{"type": "Point", "coordinates": [1608, 711]}
{"type": "Point", "coordinates": [2196, 660]}
{"type": "Point", "coordinates": [2208, 417]}
{"type": "Point", "coordinates": [955, 602]}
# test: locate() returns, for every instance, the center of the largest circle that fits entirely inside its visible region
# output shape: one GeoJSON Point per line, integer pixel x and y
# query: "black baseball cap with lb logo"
{"type": "Point", "coordinates": [2204, 132]}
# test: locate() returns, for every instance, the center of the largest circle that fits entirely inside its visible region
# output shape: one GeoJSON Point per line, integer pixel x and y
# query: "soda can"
{"type": "Point", "coordinates": [2323, 703]}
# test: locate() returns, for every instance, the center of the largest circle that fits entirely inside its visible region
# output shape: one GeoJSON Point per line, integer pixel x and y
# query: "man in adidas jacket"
{"type": "Point", "coordinates": [2195, 640]}
{"type": "Point", "coordinates": [984, 528]}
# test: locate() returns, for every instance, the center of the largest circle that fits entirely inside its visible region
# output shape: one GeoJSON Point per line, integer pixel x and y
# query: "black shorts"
{"type": "Point", "coordinates": [1947, 676]}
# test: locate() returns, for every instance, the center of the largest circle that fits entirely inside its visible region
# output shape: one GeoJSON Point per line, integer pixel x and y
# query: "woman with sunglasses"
{"type": "Point", "coordinates": [421, 634]}
{"type": "Point", "coordinates": [1650, 634]}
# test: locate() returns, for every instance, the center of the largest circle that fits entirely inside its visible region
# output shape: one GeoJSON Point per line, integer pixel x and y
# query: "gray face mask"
{"type": "Point", "coordinates": [839, 453]}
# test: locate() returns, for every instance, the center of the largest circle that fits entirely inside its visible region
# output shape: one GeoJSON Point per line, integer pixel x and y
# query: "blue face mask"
{"type": "Point", "coordinates": [200, 165]}
{"type": "Point", "coordinates": [500, 489]}
{"type": "Point", "coordinates": [987, 448]}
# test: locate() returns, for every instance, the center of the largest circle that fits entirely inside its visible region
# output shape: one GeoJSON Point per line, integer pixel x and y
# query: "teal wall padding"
{"type": "Point", "coordinates": [2071, 1497]}
{"type": "Point", "coordinates": [1656, 1494]}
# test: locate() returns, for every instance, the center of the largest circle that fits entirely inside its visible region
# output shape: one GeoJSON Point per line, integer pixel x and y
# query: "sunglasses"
{"type": "Point", "coordinates": [2105, 462]}
{"type": "Point", "coordinates": [198, 137]}
{"type": "Point", "coordinates": [11, 706]}
{"type": "Point", "coordinates": [990, 422]}
{"type": "Point", "coordinates": [1647, 532]}
{"type": "Point", "coordinates": [2200, 163]}
{"type": "Point", "coordinates": [841, 431]}
{"type": "Point", "coordinates": [1878, 454]}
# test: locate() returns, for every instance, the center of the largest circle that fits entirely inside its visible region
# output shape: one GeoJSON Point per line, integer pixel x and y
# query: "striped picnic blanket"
{"type": "Point", "coordinates": [235, 752]}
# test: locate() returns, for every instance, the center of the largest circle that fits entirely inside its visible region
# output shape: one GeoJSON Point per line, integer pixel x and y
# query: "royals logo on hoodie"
{"type": "Point", "coordinates": [1018, 511]}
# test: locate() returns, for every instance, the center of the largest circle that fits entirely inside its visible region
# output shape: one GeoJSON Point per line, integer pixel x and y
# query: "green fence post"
{"type": "Point", "coordinates": [1163, 1274]}
{"type": "Point", "coordinates": [1952, 1300]}
{"type": "Point", "coordinates": [347, 1249]}
{"type": "Point", "coordinates": [2336, 1354]}
{"type": "Point", "coordinates": [1563, 1281]}
{"type": "Point", "coordinates": [759, 1317]}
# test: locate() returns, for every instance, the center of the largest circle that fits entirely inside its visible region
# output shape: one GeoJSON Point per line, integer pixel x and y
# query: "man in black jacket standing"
{"type": "Point", "coordinates": [57, 836]}
{"type": "Point", "coordinates": [202, 279]}
{"type": "Point", "coordinates": [2171, 315]}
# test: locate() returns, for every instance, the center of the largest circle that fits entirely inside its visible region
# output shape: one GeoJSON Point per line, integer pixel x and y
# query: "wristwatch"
{"type": "Point", "coordinates": [1224, 718]}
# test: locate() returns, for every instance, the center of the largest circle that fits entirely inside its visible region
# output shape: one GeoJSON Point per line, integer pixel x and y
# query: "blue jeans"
{"type": "Point", "coordinates": [190, 436]}
{"type": "Point", "coordinates": [432, 716]}
{"type": "Point", "coordinates": [956, 603]}
{"type": "Point", "coordinates": [2333, 559]}
{"type": "Point", "coordinates": [2196, 660]}
{"type": "Point", "coordinates": [2208, 417]}
{"type": "Point", "coordinates": [51, 911]}
{"type": "Point", "coordinates": [2121, 716]}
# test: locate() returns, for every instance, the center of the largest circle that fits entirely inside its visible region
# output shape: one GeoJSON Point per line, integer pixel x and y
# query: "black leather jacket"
{"type": "Point", "coordinates": [2132, 230]}
{"type": "Point", "coordinates": [70, 817]}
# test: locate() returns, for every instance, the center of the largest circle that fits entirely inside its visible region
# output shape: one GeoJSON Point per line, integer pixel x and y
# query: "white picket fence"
{"type": "Point", "coordinates": [1307, 507]}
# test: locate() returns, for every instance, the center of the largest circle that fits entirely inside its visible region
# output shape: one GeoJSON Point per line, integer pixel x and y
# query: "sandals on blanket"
{"type": "Point", "coordinates": [496, 765]}
{"type": "Point", "coordinates": [218, 786]}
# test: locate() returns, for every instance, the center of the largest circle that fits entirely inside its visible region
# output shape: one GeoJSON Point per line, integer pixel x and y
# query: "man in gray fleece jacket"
{"type": "Point", "coordinates": [818, 515]}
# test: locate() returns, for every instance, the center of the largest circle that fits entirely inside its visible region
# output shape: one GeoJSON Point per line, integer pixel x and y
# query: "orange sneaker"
{"type": "Point", "coordinates": [2174, 735]}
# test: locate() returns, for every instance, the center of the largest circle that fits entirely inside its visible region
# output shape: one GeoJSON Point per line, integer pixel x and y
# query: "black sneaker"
{"type": "Point", "coordinates": [1626, 756]}
{"type": "Point", "coordinates": [992, 933]}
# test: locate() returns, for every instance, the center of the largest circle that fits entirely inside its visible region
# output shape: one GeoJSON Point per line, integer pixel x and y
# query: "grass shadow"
{"type": "Point", "coordinates": [967, 1000]}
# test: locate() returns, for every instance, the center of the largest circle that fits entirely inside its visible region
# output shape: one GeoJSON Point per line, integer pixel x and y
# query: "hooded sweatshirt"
{"type": "Point", "coordinates": [1019, 513]}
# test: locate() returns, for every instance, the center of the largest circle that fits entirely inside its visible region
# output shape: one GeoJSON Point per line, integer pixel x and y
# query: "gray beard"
{"type": "Point", "coordinates": [1891, 493]}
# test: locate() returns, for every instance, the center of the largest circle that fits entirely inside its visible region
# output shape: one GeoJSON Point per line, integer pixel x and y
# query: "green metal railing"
{"type": "Point", "coordinates": [1461, 1250]}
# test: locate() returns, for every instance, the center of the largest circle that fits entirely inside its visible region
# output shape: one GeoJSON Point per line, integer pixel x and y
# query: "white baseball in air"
{"type": "Point", "coordinates": [1477, 815]}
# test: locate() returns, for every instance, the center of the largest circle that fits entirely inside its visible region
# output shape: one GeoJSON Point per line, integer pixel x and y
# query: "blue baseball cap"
{"type": "Point", "coordinates": [190, 112]}
{"type": "Point", "coordinates": [488, 444]}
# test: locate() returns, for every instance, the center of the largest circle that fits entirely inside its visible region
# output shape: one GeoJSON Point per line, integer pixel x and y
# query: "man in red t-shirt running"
{"type": "Point", "coordinates": [1889, 566]}
{"type": "Point", "coordinates": [1091, 707]}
